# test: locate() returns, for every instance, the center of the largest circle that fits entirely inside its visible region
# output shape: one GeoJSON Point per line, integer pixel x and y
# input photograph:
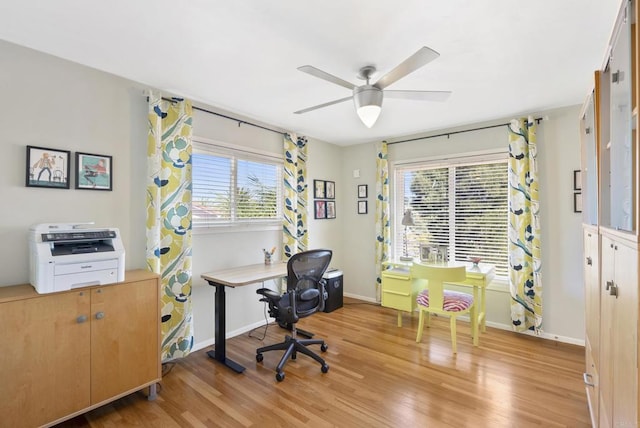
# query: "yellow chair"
{"type": "Point", "coordinates": [437, 300]}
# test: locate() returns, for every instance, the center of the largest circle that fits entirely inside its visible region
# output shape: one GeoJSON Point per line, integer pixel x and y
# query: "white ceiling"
{"type": "Point", "coordinates": [499, 57]}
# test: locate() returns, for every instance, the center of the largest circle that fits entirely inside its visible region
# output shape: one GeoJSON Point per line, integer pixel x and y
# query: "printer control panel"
{"type": "Point", "coordinates": [74, 236]}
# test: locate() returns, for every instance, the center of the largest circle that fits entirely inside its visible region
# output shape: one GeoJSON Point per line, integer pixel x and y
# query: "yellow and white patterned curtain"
{"type": "Point", "coordinates": [169, 183]}
{"type": "Point", "coordinates": [383, 230]}
{"type": "Point", "coordinates": [524, 227]}
{"type": "Point", "coordinates": [295, 237]}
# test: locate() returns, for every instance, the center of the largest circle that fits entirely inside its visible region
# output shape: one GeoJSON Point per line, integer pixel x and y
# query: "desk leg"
{"type": "Point", "coordinates": [220, 352]}
{"type": "Point", "coordinates": [483, 313]}
{"type": "Point", "coordinates": [474, 317]}
{"type": "Point", "coordinates": [399, 318]}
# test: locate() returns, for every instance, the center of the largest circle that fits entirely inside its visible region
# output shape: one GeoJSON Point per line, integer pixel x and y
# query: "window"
{"type": "Point", "coordinates": [235, 187]}
{"type": "Point", "coordinates": [461, 204]}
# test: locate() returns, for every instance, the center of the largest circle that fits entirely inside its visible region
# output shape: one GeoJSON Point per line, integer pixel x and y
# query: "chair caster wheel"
{"type": "Point", "coordinates": [325, 368]}
{"type": "Point", "coordinates": [259, 358]}
{"type": "Point", "coordinates": [280, 376]}
{"type": "Point", "coordinates": [324, 347]}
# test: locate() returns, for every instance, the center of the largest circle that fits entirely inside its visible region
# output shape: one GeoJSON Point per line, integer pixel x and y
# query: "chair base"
{"type": "Point", "coordinates": [292, 346]}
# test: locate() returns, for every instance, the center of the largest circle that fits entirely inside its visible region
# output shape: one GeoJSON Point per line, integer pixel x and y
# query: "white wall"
{"type": "Point", "coordinates": [558, 156]}
{"type": "Point", "coordinates": [54, 103]}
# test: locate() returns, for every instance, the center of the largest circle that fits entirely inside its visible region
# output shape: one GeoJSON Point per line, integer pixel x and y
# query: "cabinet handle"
{"type": "Point", "coordinates": [609, 285]}
{"type": "Point", "coordinates": [81, 319]}
{"type": "Point", "coordinates": [99, 315]}
{"type": "Point", "coordinates": [586, 377]}
{"type": "Point", "coordinates": [589, 261]}
{"type": "Point", "coordinates": [613, 291]}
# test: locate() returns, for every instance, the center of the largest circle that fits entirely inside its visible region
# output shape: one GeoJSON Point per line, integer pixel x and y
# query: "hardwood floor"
{"type": "Point", "coordinates": [379, 377]}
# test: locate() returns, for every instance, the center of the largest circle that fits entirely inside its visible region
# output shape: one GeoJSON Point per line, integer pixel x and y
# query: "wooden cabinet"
{"type": "Point", "coordinates": [611, 230]}
{"type": "Point", "coordinates": [66, 353]}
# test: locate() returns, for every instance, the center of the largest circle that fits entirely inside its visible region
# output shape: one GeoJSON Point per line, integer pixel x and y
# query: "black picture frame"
{"type": "Point", "coordinates": [362, 207]}
{"type": "Point", "coordinates": [330, 189]}
{"type": "Point", "coordinates": [362, 190]}
{"type": "Point", "coordinates": [577, 180]}
{"type": "Point", "coordinates": [331, 209]}
{"type": "Point", "coordinates": [577, 202]}
{"type": "Point", "coordinates": [47, 168]}
{"type": "Point", "coordinates": [319, 189]}
{"type": "Point", "coordinates": [94, 172]}
{"type": "Point", "coordinates": [320, 209]}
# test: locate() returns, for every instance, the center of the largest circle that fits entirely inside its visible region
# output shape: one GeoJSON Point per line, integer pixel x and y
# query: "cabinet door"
{"type": "Point", "coordinates": [44, 363]}
{"type": "Point", "coordinates": [125, 352]}
{"type": "Point", "coordinates": [625, 358]}
{"type": "Point", "coordinates": [592, 321]}
{"type": "Point", "coordinates": [607, 331]}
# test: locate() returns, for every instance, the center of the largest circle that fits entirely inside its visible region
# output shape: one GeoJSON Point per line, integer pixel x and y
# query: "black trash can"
{"type": "Point", "coordinates": [334, 290]}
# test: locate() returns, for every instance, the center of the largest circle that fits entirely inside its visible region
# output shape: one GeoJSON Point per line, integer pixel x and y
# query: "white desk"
{"type": "Point", "coordinates": [478, 277]}
{"type": "Point", "coordinates": [235, 277]}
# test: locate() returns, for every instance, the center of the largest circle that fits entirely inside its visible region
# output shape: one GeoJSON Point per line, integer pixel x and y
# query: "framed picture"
{"type": "Point", "coordinates": [319, 189]}
{"type": "Point", "coordinates": [330, 189]}
{"type": "Point", "coordinates": [362, 190]}
{"type": "Point", "coordinates": [331, 209]}
{"type": "Point", "coordinates": [577, 179]}
{"type": "Point", "coordinates": [577, 202]}
{"type": "Point", "coordinates": [93, 172]}
{"type": "Point", "coordinates": [320, 209]}
{"type": "Point", "coordinates": [362, 207]}
{"type": "Point", "coordinates": [47, 167]}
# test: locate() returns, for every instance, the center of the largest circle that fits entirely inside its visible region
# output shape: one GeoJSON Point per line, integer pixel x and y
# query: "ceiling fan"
{"type": "Point", "coordinates": [368, 97]}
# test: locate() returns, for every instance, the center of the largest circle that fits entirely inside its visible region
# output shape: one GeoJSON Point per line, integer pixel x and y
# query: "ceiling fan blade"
{"type": "Point", "coordinates": [424, 56]}
{"type": "Point", "coordinates": [341, 100]}
{"type": "Point", "coordinates": [419, 95]}
{"type": "Point", "coordinates": [309, 69]}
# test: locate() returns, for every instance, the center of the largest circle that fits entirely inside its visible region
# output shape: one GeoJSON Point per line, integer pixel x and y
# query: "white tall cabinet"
{"type": "Point", "coordinates": [610, 179]}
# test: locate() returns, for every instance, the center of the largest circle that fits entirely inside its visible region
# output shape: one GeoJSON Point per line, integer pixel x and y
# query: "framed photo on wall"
{"type": "Point", "coordinates": [331, 209]}
{"type": "Point", "coordinates": [362, 190]}
{"type": "Point", "coordinates": [330, 189]}
{"type": "Point", "coordinates": [47, 168]}
{"type": "Point", "coordinates": [362, 207]}
{"type": "Point", "coordinates": [93, 172]}
{"type": "Point", "coordinates": [577, 179]}
{"type": "Point", "coordinates": [319, 189]}
{"type": "Point", "coordinates": [320, 209]}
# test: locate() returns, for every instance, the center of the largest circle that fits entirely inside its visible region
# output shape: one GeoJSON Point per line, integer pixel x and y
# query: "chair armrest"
{"type": "Point", "coordinates": [269, 294]}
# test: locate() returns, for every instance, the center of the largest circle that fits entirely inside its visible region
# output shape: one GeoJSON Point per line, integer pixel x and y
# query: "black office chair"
{"type": "Point", "coordinates": [305, 296]}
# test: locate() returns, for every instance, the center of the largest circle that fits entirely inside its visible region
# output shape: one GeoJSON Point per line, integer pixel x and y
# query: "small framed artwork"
{"type": "Point", "coordinates": [320, 209]}
{"type": "Point", "coordinates": [577, 179]}
{"type": "Point", "coordinates": [362, 190]}
{"type": "Point", "coordinates": [331, 209]}
{"type": "Point", "coordinates": [577, 202]}
{"type": "Point", "coordinates": [319, 189]}
{"type": "Point", "coordinates": [93, 172]}
{"type": "Point", "coordinates": [330, 189]}
{"type": "Point", "coordinates": [47, 168]}
{"type": "Point", "coordinates": [362, 207]}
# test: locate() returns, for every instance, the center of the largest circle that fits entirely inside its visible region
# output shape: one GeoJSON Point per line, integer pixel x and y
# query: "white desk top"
{"type": "Point", "coordinates": [245, 275]}
{"type": "Point", "coordinates": [481, 269]}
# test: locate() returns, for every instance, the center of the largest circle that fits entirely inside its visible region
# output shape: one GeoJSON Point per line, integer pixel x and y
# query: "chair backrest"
{"type": "Point", "coordinates": [304, 275]}
{"type": "Point", "coordinates": [435, 276]}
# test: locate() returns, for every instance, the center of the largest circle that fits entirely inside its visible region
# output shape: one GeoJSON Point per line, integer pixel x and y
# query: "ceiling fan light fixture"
{"type": "Point", "coordinates": [368, 101]}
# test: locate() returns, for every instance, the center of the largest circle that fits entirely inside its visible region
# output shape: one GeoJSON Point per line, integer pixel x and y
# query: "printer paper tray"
{"type": "Point", "coordinates": [76, 275]}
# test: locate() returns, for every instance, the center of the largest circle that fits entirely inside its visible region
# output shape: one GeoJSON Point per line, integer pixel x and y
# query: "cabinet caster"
{"type": "Point", "coordinates": [280, 376]}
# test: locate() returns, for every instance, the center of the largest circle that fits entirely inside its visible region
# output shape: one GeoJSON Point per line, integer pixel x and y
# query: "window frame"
{"type": "Point", "coordinates": [220, 149]}
{"type": "Point", "coordinates": [434, 162]}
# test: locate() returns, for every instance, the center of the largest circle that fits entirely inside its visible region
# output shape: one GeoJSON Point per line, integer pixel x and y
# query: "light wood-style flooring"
{"type": "Point", "coordinates": [379, 377]}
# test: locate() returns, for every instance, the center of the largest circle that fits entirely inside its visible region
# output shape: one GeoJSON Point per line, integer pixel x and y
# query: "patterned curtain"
{"type": "Point", "coordinates": [383, 231]}
{"type": "Point", "coordinates": [169, 218]}
{"type": "Point", "coordinates": [295, 237]}
{"type": "Point", "coordinates": [524, 227]}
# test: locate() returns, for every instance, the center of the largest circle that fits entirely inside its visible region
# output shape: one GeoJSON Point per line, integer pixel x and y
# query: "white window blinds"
{"type": "Point", "coordinates": [463, 206]}
{"type": "Point", "coordinates": [234, 187]}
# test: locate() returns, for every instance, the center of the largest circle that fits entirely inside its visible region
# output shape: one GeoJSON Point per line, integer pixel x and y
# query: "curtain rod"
{"type": "Point", "coordinates": [448, 134]}
{"type": "Point", "coordinates": [240, 122]}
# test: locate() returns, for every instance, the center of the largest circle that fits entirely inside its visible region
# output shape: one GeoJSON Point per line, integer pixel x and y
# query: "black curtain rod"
{"type": "Point", "coordinates": [448, 134]}
{"type": "Point", "coordinates": [240, 122]}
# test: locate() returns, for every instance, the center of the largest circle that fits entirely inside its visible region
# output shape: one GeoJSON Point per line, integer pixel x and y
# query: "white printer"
{"type": "Point", "coordinates": [65, 256]}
